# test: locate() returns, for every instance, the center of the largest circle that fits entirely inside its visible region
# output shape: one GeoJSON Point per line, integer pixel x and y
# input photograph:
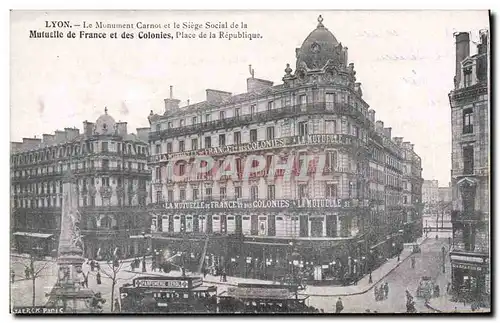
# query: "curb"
{"type": "Point", "coordinates": [432, 308]}
{"type": "Point", "coordinates": [338, 295]}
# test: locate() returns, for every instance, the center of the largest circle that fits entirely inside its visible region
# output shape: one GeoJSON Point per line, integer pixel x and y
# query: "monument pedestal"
{"type": "Point", "coordinates": [68, 293]}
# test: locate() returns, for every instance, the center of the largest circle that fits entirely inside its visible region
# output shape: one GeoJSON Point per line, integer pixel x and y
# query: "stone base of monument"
{"type": "Point", "coordinates": [68, 295]}
{"type": "Point", "coordinates": [70, 299]}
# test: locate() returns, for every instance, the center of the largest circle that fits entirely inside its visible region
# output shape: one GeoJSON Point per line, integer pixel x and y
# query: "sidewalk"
{"type": "Point", "coordinates": [332, 291]}
{"type": "Point", "coordinates": [443, 304]}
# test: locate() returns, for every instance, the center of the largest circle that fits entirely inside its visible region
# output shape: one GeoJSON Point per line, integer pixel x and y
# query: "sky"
{"type": "Point", "coordinates": [405, 61]}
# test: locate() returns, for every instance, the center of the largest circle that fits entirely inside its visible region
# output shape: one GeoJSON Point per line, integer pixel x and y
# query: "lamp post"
{"type": "Point", "coordinates": [144, 254]}
{"type": "Point", "coordinates": [443, 250]}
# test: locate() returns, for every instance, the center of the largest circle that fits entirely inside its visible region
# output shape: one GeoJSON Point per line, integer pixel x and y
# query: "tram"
{"type": "Point", "coordinates": [156, 294]}
{"type": "Point", "coordinates": [263, 298]}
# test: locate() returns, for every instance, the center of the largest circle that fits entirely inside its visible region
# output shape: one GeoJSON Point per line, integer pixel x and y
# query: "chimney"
{"type": "Point", "coordinates": [379, 126]}
{"type": "Point", "coordinates": [48, 139]}
{"type": "Point", "coordinates": [408, 145]}
{"type": "Point", "coordinates": [216, 96]}
{"type": "Point", "coordinates": [121, 129]}
{"type": "Point", "coordinates": [482, 48]}
{"type": "Point", "coordinates": [15, 146]}
{"type": "Point", "coordinates": [255, 84]}
{"type": "Point", "coordinates": [462, 46]}
{"type": "Point", "coordinates": [71, 133]}
{"type": "Point", "coordinates": [371, 115]}
{"type": "Point", "coordinates": [88, 128]}
{"type": "Point", "coordinates": [143, 133]}
{"type": "Point", "coordinates": [31, 143]}
{"type": "Point", "coordinates": [171, 103]}
{"type": "Point", "coordinates": [357, 88]}
{"type": "Point", "coordinates": [60, 136]}
{"type": "Point", "coordinates": [398, 140]}
{"type": "Point", "coordinates": [387, 132]}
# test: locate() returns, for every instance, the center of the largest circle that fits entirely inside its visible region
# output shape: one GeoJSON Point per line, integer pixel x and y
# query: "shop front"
{"type": "Point", "coordinates": [470, 275]}
{"type": "Point", "coordinates": [39, 244]}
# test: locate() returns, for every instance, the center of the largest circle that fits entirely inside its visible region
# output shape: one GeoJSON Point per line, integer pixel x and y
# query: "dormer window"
{"type": "Point", "coordinates": [467, 77]}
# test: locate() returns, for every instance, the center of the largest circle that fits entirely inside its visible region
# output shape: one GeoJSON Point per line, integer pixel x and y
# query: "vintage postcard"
{"type": "Point", "coordinates": [312, 162]}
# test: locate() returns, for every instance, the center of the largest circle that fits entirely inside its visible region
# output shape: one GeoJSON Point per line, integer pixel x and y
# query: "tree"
{"type": "Point", "coordinates": [114, 267]}
{"type": "Point", "coordinates": [35, 269]}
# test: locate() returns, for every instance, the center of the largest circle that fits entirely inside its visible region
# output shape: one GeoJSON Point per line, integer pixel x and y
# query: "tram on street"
{"type": "Point", "coordinates": [156, 294]}
{"type": "Point", "coordinates": [263, 298]}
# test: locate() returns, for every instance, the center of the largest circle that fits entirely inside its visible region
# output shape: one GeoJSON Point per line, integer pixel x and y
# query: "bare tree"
{"type": "Point", "coordinates": [111, 271]}
{"type": "Point", "coordinates": [35, 270]}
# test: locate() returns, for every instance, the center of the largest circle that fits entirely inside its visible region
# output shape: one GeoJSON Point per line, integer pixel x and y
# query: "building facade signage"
{"type": "Point", "coordinates": [158, 283]}
{"type": "Point", "coordinates": [264, 204]}
{"type": "Point", "coordinates": [259, 145]}
{"type": "Point", "coordinates": [467, 258]}
{"type": "Point", "coordinates": [467, 266]}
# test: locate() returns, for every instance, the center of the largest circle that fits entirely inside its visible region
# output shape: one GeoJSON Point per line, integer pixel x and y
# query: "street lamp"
{"type": "Point", "coordinates": [144, 254]}
{"type": "Point", "coordinates": [443, 250]}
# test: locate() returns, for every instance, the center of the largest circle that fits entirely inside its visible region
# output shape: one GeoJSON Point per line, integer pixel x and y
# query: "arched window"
{"type": "Point", "coordinates": [106, 222]}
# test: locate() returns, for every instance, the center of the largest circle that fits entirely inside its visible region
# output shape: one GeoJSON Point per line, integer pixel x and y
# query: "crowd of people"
{"type": "Point", "coordinates": [381, 292]}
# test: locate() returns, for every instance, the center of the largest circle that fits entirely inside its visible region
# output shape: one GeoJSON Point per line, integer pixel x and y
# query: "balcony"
{"type": "Point", "coordinates": [482, 171]}
{"type": "Point", "coordinates": [269, 115]}
{"type": "Point", "coordinates": [462, 216]}
{"type": "Point", "coordinates": [292, 141]}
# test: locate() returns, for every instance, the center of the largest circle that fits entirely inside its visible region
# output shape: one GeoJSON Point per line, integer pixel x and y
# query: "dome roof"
{"type": "Point", "coordinates": [319, 47]}
{"type": "Point", "coordinates": [105, 124]}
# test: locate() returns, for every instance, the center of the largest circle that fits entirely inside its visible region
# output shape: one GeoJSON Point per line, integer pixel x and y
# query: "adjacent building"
{"type": "Point", "coordinates": [470, 254]}
{"type": "Point", "coordinates": [266, 224]}
{"type": "Point", "coordinates": [430, 193]}
{"type": "Point", "coordinates": [110, 166]}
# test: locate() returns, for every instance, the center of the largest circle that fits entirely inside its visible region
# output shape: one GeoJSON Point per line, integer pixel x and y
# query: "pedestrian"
{"type": "Point", "coordinates": [224, 276]}
{"type": "Point", "coordinates": [97, 266]}
{"type": "Point", "coordinates": [339, 306]}
{"type": "Point", "coordinates": [27, 272]}
{"type": "Point", "coordinates": [386, 289]}
{"type": "Point", "coordinates": [370, 279]}
{"type": "Point", "coordinates": [98, 278]}
{"type": "Point", "coordinates": [413, 262]}
{"type": "Point", "coordinates": [116, 308]}
{"type": "Point", "coordinates": [12, 276]}
{"type": "Point", "coordinates": [205, 272]}
{"type": "Point", "coordinates": [92, 265]}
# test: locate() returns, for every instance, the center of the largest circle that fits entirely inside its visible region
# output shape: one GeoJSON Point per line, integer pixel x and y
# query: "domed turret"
{"type": "Point", "coordinates": [318, 48]}
{"type": "Point", "coordinates": [105, 124]}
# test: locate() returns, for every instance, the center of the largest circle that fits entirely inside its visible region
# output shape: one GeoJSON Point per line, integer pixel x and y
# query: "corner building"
{"type": "Point", "coordinates": [470, 175]}
{"type": "Point", "coordinates": [335, 229]}
{"type": "Point", "coordinates": [110, 166]}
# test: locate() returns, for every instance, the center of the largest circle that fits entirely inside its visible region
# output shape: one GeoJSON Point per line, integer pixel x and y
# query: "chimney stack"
{"type": "Point", "coordinates": [60, 136]}
{"type": "Point", "coordinates": [462, 47]}
{"type": "Point", "coordinates": [379, 126]}
{"type": "Point", "coordinates": [371, 115]}
{"type": "Point", "coordinates": [398, 140]}
{"type": "Point", "coordinates": [48, 139]}
{"type": "Point", "coordinates": [216, 96]}
{"type": "Point", "coordinates": [255, 84]}
{"type": "Point", "coordinates": [387, 132]}
{"type": "Point", "coordinates": [171, 103]}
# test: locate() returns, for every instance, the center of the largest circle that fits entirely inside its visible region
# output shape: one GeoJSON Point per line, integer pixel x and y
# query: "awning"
{"type": "Point", "coordinates": [34, 235]}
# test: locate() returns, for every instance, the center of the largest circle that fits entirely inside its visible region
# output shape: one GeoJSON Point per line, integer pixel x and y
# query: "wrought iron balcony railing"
{"type": "Point", "coordinates": [263, 116]}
